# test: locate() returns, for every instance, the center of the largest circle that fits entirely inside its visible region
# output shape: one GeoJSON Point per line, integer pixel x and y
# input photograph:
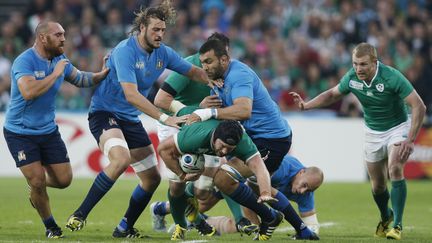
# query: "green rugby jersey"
{"type": "Point", "coordinates": [383, 99]}
{"type": "Point", "coordinates": [196, 139]}
{"type": "Point", "coordinates": [189, 92]}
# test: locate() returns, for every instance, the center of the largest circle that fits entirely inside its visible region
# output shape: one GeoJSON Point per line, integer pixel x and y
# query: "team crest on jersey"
{"type": "Point", "coordinates": [380, 87]}
{"type": "Point", "coordinates": [355, 85]}
{"type": "Point", "coordinates": [39, 74]}
{"type": "Point", "coordinates": [159, 64]}
{"type": "Point", "coordinates": [21, 155]}
{"type": "Point", "coordinates": [139, 65]}
{"type": "Point", "coordinates": [112, 121]}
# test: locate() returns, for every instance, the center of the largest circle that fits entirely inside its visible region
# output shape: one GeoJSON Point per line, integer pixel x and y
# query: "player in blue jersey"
{"type": "Point", "coordinates": [244, 98]}
{"type": "Point", "coordinates": [30, 130]}
{"type": "Point", "coordinates": [136, 63]}
{"type": "Point", "coordinates": [295, 181]}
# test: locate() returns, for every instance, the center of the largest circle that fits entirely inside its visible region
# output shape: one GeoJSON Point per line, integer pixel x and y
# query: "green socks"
{"type": "Point", "coordinates": [381, 201]}
{"type": "Point", "coordinates": [398, 196]}
{"type": "Point", "coordinates": [178, 206]}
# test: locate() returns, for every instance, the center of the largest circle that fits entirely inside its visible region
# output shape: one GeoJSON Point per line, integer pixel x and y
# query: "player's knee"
{"type": "Point", "coordinates": [223, 181]}
{"type": "Point", "coordinates": [37, 184]}
{"type": "Point", "coordinates": [176, 189]}
{"type": "Point", "coordinates": [395, 170]}
{"type": "Point", "coordinates": [378, 188]}
{"type": "Point", "coordinates": [65, 181]}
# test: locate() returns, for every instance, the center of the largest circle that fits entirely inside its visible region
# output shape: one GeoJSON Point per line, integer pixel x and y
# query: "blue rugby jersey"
{"type": "Point", "coordinates": [129, 62]}
{"type": "Point", "coordinates": [36, 116]}
{"type": "Point", "coordinates": [266, 120]}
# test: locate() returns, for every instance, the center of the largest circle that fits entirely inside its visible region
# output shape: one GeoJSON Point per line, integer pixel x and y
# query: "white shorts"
{"type": "Point", "coordinates": [377, 143]}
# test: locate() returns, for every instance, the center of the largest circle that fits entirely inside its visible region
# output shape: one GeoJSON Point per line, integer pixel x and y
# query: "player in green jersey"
{"type": "Point", "coordinates": [389, 133]}
{"type": "Point", "coordinates": [223, 138]}
{"type": "Point", "coordinates": [177, 92]}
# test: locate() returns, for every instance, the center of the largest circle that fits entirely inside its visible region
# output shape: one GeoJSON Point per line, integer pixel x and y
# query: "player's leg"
{"type": "Point", "coordinates": [376, 163]}
{"type": "Point", "coordinates": [244, 195]}
{"type": "Point", "coordinates": [147, 172]}
{"type": "Point", "coordinates": [112, 143]}
{"type": "Point", "coordinates": [178, 203]}
{"type": "Point", "coordinates": [28, 154]}
{"type": "Point", "coordinates": [398, 192]}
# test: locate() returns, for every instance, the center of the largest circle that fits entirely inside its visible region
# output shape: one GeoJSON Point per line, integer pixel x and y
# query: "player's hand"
{"type": "Point", "coordinates": [218, 83]}
{"type": "Point", "coordinates": [266, 197]}
{"type": "Point", "coordinates": [60, 66]}
{"type": "Point", "coordinates": [405, 150]}
{"type": "Point", "coordinates": [192, 119]}
{"type": "Point", "coordinates": [192, 176]}
{"type": "Point", "coordinates": [298, 100]}
{"type": "Point", "coordinates": [174, 121]}
{"type": "Point", "coordinates": [211, 101]}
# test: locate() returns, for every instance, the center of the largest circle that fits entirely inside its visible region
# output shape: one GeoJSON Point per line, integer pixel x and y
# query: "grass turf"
{"type": "Point", "coordinates": [345, 210]}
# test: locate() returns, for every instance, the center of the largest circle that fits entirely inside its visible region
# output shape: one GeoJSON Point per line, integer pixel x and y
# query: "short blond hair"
{"type": "Point", "coordinates": [365, 49]}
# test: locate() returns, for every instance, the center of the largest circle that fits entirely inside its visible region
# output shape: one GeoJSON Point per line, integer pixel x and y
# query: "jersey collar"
{"type": "Point", "coordinates": [135, 37]}
{"type": "Point", "coordinates": [376, 74]}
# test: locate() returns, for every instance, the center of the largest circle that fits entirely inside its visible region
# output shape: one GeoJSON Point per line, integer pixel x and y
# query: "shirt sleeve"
{"type": "Point", "coordinates": [245, 149]}
{"type": "Point", "coordinates": [344, 83]}
{"type": "Point", "coordinates": [123, 60]}
{"type": "Point", "coordinates": [403, 86]}
{"type": "Point", "coordinates": [177, 81]}
{"type": "Point", "coordinates": [242, 85]}
{"type": "Point", "coordinates": [176, 62]}
{"type": "Point", "coordinates": [22, 67]}
{"type": "Point", "coordinates": [306, 202]}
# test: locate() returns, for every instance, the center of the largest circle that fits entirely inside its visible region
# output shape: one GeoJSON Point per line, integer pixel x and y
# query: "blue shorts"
{"type": "Point", "coordinates": [274, 149]}
{"type": "Point", "coordinates": [26, 149]}
{"type": "Point", "coordinates": [134, 132]}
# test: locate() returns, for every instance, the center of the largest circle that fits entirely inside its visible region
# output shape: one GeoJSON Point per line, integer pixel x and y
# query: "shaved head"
{"type": "Point", "coordinates": [43, 27]}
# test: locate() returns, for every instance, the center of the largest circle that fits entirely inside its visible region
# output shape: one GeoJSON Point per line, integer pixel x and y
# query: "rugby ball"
{"type": "Point", "coordinates": [191, 163]}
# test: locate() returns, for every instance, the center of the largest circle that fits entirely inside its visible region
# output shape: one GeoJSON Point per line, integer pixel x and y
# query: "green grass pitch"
{"type": "Point", "coordinates": [345, 210]}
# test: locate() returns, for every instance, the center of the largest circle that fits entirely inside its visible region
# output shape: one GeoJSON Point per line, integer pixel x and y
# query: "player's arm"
{"type": "Point", "coordinates": [257, 166]}
{"type": "Point", "coordinates": [168, 152]}
{"type": "Point", "coordinates": [326, 98]}
{"type": "Point", "coordinates": [84, 79]}
{"type": "Point", "coordinates": [136, 99]}
{"type": "Point", "coordinates": [165, 99]}
{"type": "Point", "coordinates": [31, 88]}
{"type": "Point", "coordinates": [418, 110]}
{"type": "Point", "coordinates": [239, 111]}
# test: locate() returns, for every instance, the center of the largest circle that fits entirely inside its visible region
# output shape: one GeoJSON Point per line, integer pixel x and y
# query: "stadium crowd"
{"type": "Point", "coordinates": [296, 45]}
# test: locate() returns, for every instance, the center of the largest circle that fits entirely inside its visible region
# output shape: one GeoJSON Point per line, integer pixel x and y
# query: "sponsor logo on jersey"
{"type": "Point", "coordinates": [139, 65]}
{"type": "Point", "coordinates": [39, 74]}
{"type": "Point", "coordinates": [159, 64]}
{"type": "Point", "coordinates": [369, 93]}
{"type": "Point", "coordinates": [355, 85]}
{"type": "Point", "coordinates": [380, 87]}
{"type": "Point", "coordinates": [202, 151]}
{"type": "Point", "coordinates": [21, 155]}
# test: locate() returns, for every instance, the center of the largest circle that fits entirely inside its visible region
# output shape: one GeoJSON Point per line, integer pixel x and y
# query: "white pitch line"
{"type": "Point", "coordinates": [194, 241]}
{"type": "Point", "coordinates": [322, 225]}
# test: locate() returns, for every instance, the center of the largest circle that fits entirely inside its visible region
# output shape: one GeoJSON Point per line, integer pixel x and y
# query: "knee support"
{"type": "Point", "coordinates": [145, 164]}
{"type": "Point", "coordinates": [233, 173]}
{"type": "Point", "coordinates": [112, 142]}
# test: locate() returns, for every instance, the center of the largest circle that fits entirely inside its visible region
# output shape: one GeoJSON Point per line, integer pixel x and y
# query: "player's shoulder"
{"type": "Point", "coordinates": [26, 55]}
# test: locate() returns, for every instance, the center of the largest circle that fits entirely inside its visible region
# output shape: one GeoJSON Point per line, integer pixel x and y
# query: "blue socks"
{"type": "Point", "coordinates": [49, 222]}
{"type": "Point", "coordinates": [244, 196]}
{"type": "Point", "coordinates": [160, 208]}
{"type": "Point", "coordinates": [101, 185]}
{"type": "Point", "coordinates": [290, 214]}
{"type": "Point", "coordinates": [137, 204]}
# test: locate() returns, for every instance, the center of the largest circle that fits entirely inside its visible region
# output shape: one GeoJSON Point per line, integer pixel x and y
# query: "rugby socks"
{"type": "Point", "coordinates": [160, 209]}
{"type": "Point", "coordinates": [49, 222]}
{"type": "Point", "coordinates": [398, 196]}
{"type": "Point", "coordinates": [381, 201]}
{"type": "Point", "coordinates": [290, 214]}
{"type": "Point", "coordinates": [101, 185]}
{"type": "Point", "coordinates": [137, 203]}
{"type": "Point", "coordinates": [244, 196]}
{"type": "Point", "coordinates": [190, 189]}
{"type": "Point", "coordinates": [178, 207]}
{"type": "Point", "coordinates": [234, 207]}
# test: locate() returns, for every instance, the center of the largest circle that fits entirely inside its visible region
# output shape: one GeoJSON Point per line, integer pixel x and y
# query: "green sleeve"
{"type": "Point", "coordinates": [344, 83]}
{"type": "Point", "coordinates": [245, 149]}
{"type": "Point", "coordinates": [403, 87]}
{"type": "Point", "coordinates": [178, 81]}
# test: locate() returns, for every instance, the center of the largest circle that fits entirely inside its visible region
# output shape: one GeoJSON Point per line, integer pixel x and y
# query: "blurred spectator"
{"type": "Point", "coordinates": [10, 44]}
{"type": "Point", "coordinates": [114, 31]}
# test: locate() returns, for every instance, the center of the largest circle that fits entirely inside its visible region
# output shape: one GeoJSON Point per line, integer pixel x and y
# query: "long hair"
{"type": "Point", "coordinates": [164, 11]}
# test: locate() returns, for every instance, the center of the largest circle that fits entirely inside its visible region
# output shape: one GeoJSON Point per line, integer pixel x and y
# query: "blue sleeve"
{"type": "Point", "coordinates": [124, 63]}
{"type": "Point", "coordinates": [22, 67]}
{"type": "Point", "coordinates": [306, 202]}
{"type": "Point", "coordinates": [68, 70]}
{"type": "Point", "coordinates": [176, 62]}
{"type": "Point", "coordinates": [242, 85]}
